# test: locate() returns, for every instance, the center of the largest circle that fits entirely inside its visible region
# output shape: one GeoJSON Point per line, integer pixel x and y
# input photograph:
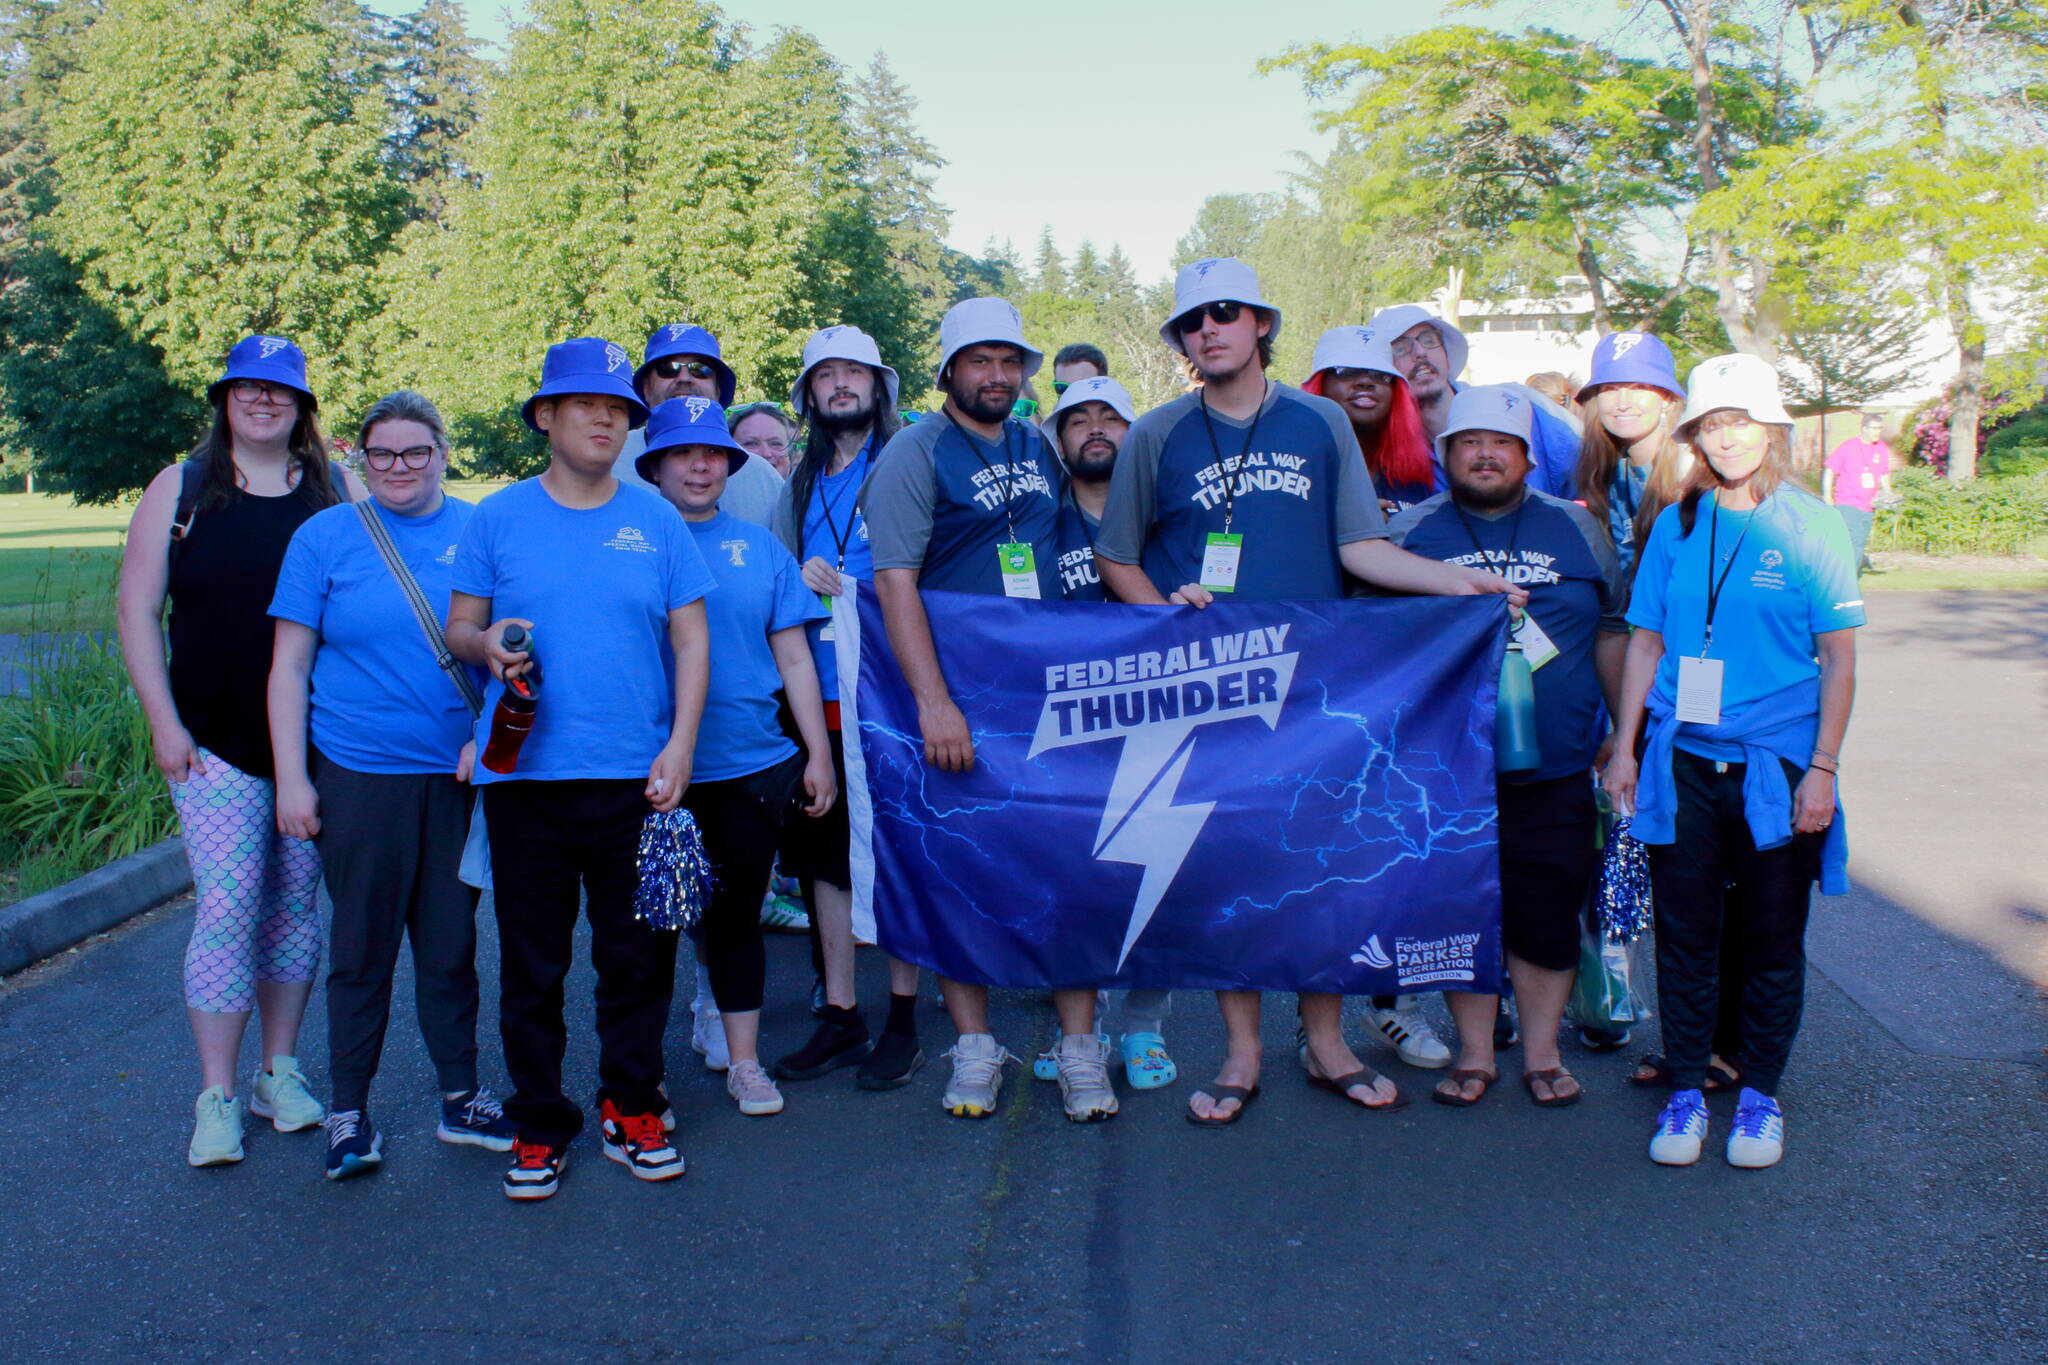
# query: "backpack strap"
{"type": "Point", "coordinates": [191, 482]}
{"type": "Point", "coordinates": [422, 610]}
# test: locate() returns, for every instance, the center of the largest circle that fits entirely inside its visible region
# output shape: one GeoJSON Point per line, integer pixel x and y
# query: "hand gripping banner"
{"type": "Point", "coordinates": [1262, 795]}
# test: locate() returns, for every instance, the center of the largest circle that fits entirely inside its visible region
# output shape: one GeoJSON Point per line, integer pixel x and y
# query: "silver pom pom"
{"type": "Point", "coordinates": [1624, 892]}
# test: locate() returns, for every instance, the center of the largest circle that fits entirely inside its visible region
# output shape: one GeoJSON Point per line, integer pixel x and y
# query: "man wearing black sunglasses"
{"type": "Point", "coordinates": [1249, 487]}
{"type": "Point", "coordinates": [682, 360]}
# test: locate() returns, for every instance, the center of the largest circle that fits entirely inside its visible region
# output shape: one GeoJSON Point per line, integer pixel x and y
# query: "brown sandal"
{"type": "Point", "coordinates": [1457, 1077]}
{"type": "Point", "coordinates": [1365, 1075]}
{"type": "Point", "coordinates": [1550, 1076]}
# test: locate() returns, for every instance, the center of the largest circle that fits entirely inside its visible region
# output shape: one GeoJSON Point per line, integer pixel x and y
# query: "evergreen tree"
{"type": "Point", "coordinates": [897, 168]}
{"type": "Point", "coordinates": [434, 83]}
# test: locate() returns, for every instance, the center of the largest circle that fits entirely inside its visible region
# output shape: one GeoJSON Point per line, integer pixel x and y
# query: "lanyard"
{"type": "Point", "coordinates": [840, 538]}
{"type": "Point", "coordinates": [1009, 467]}
{"type": "Point", "coordinates": [1714, 587]}
{"type": "Point", "coordinates": [1514, 531]}
{"type": "Point", "coordinates": [1209, 424]}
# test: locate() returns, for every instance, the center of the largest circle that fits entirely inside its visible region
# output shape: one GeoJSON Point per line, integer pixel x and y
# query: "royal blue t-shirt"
{"type": "Point", "coordinates": [1298, 490]}
{"type": "Point", "coordinates": [380, 704]}
{"type": "Point", "coordinates": [1556, 550]}
{"type": "Point", "coordinates": [835, 531]}
{"type": "Point", "coordinates": [760, 591]}
{"type": "Point", "coordinates": [942, 500]}
{"type": "Point", "coordinates": [1790, 576]}
{"type": "Point", "coordinates": [598, 584]}
{"type": "Point", "coordinates": [1078, 576]}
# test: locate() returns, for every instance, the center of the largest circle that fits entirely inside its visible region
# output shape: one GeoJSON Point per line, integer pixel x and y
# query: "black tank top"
{"type": "Point", "coordinates": [221, 631]}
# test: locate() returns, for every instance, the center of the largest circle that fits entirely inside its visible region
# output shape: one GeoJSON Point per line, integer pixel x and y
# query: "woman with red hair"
{"type": "Point", "coordinates": [1355, 370]}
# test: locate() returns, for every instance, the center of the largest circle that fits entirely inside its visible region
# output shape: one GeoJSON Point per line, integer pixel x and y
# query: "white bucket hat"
{"type": "Point", "coordinates": [1392, 322]}
{"type": "Point", "coordinates": [971, 322]}
{"type": "Point", "coordinates": [1219, 279]}
{"type": "Point", "coordinates": [1354, 348]}
{"type": "Point", "coordinates": [840, 343]}
{"type": "Point", "coordinates": [1744, 382]}
{"type": "Point", "coordinates": [1099, 389]}
{"type": "Point", "coordinates": [1489, 407]}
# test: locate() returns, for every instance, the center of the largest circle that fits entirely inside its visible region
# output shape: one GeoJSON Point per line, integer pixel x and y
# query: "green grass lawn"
{"type": "Point", "coordinates": [58, 562]}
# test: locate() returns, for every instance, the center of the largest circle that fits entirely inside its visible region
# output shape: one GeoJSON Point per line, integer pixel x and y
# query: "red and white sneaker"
{"type": "Point", "coordinates": [640, 1144]}
{"type": "Point", "coordinates": [536, 1170]}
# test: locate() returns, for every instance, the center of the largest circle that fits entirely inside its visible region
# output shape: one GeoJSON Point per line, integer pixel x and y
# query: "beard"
{"type": "Point", "coordinates": [1094, 464]}
{"type": "Point", "coordinates": [1488, 499]}
{"type": "Point", "coordinates": [983, 408]}
{"type": "Point", "coordinates": [862, 414]}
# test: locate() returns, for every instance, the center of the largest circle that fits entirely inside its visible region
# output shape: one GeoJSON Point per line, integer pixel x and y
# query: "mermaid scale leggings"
{"type": "Point", "coordinates": [257, 918]}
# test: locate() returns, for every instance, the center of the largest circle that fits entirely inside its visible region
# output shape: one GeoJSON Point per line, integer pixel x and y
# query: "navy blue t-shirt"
{"type": "Point", "coordinates": [1078, 575]}
{"type": "Point", "coordinates": [942, 499]}
{"type": "Point", "coordinates": [1557, 551]}
{"type": "Point", "coordinates": [831, 528]}
{"type": "Point", "coordinates": [1298, 489]}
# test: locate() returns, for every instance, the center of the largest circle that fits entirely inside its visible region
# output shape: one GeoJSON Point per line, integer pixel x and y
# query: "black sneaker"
{"type": "Point", "coordinates": [841, 1040]}
{"type": "Point", "coordinates": [1603, 1039]}
{"type": "Point", "coordinates": [476, 1119]}
{"type": "Point", "coordinates": [536, 1170]}
{"type": "Point", "coordinates": [354, 1145]}
{"type": "Point", "coordinates": [895, 1059]}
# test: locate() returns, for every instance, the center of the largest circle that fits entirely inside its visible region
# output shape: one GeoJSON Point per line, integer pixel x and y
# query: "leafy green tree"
{"type": "Point", "coordinates": [219, 170]}
{"type": "Point", "coordinates": [1225, 225]}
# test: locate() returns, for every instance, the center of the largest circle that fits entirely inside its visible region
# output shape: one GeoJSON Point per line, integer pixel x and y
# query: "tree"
{"type": "Point", "coordinates": [434, 84]}
{"type": "Point", "coordinates": [1849, 343]}
{"type": "Point", "coordinates": [219, 176]}
{"type": "Point", "coordinates": [897, 168]}
{"type": "Point", "coordinates": [1225, 225]}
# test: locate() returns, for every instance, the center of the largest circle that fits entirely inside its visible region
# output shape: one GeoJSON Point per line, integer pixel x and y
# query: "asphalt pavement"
{"type": "Point", "coordinates": [1906, 1223]}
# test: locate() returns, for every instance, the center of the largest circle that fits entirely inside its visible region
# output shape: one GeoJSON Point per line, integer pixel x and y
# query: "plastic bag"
{"type": "Point", "coordinates": [1605, 995]}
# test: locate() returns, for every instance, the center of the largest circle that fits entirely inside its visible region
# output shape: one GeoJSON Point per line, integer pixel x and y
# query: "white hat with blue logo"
{"type": "Point", "coordinates": [1351, 348]}
{"type": "Point", "coordinates": [1393, 323]}
{"type": "Point", "coordinates": [1097, 389]}
{"type": "Point", "coordinates": [985, 321]}
{"type": "Point", "coordinates": [1488, 407]}
{"type": "Point", "coordinates": [1745, 383]}
{"type": "Point", "coordinates": [1218, 279]}
{"type": "Point", "coordinates": [840, 343]}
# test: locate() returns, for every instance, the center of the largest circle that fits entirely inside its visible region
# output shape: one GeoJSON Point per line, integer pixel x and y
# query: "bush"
{"type": "Point", "coordinates": [2019, 448]}
{"type": "Point", "coordinates": [78, 779]}
{"type": "Point", "coordinates": [1983, 517]}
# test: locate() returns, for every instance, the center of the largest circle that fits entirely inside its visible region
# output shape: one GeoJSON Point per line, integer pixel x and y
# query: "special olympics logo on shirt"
{"type": "Point", "coordinates": [267, 347]}
{"type": "Point", "coordinates": [446, 556]}
{"type": "Point", "coordinates": [736, 551]}
{"type": "Point", "coordinates": [629, 538]}
{"type": "Point", "coordinates": [696, 403]}
{"type": "Point", "coordinates": [1771, 559]}
{"type": "Point", "coordinates": [1624, 342]}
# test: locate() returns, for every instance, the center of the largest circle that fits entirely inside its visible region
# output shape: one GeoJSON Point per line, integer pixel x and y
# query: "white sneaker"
{"type": "Point", "coordinates": [1681, 1129]}
{"type": "Point", "coordinates": [1758, 1138]}
{"type": "Point", "coordinates": [977, 1076]}
{"type": "Point", "coordinates": [707, 1039]}
{"type": "Point", "coordinates": [216, 1129]}
{"type": "Point", "coordinates": [1084, 1077]}
{"type": "Point", "coordinates": [1409, 1030]}
{"type": "Point", "coordinates": [280, 1095]}
{"type": "Point", "coordinates": [751, 1089]}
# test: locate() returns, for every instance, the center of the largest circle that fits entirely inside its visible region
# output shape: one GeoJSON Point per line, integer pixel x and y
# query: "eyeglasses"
{"type": "Point", "coordinates": [1407, 346]}
{"type": "Point", "coordinates": [766, 445]}
{"type": "Point", "coordinates": [414, 457]}
{"type": "Point", "coordinates": [249, 390]}
{"type": "Point", "coordinates": [668, 367]}
{"type": "Point", "coordinates": [1223, 312]}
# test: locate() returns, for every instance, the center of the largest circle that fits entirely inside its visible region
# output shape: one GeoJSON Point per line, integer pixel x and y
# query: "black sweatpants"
{"type": "Point", "coordinates": [1711, 882]}
{"type": "Point", "coordinates": [548, 840]}
{"type": "Point", "coordinates": [390, 845]}
{"type": "Point", "coordinates": [741, 820]}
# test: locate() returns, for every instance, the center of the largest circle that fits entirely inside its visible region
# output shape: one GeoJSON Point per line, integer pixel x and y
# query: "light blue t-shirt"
{"type": "Point", "coordinates": [760, 591]}
{"type": "Point", "coordinates": [598, 584]}
{"type": "Point", "coordinates": [1790, 577]}
{"type": "Point", "coordinates": [380, 703]}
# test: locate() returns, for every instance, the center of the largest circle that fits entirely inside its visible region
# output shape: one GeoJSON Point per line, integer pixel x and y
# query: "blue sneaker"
{"type": "Point", "coordinates": [353, 1144]}
{"type": "Point", "coordinates": [1146, 1065]}
{"type": "Point", "coordinates": [476, 1119]}
{"type": "Point", "coordinates": [1758, 1139]}
{"type": "Point", "coordinates": [1681, 1128]}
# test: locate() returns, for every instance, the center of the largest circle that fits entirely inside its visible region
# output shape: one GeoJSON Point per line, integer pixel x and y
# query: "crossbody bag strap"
{"type": "Point", "coordinates": [422, 610]}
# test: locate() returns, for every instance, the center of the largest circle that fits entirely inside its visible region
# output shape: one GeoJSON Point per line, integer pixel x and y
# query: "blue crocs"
{"type": "Point", "coordinates": [1146, 1065]}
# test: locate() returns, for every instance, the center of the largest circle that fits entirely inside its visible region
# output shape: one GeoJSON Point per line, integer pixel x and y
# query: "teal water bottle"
{"type": "Point", "coordinates": [1514, 716]}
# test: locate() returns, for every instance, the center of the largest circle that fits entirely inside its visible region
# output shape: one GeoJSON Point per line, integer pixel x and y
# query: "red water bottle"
{"type": "Point", "coordinates": [513, 716]}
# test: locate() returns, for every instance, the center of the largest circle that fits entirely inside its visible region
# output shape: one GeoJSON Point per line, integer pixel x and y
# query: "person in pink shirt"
{"type": "Point", "coordinates": [1856, 473]}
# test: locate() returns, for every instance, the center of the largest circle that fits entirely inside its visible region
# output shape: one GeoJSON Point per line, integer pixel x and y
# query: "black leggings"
{"type": "Point", "coordinates": [741, 819]}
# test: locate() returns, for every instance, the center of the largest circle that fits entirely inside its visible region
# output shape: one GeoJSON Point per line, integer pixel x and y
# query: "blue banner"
{"type": "Point", "coordinates": [1268, 796]}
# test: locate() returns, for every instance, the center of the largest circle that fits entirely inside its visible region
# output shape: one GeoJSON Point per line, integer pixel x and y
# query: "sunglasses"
{"type": "Point", "coordinates": [671, 366]}
{"type": "Point", "coordinates": [413, 457]}
{"type": "Point", "coordinates": [1222, 313]}
{"type": "Point", "coordinates": [1060, 386]}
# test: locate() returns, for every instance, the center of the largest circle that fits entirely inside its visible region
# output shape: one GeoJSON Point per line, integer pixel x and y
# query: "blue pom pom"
{"type": "Point", "coordinates": [675, 874]}
{"type": "Point", "coordinates": [1624, 893]}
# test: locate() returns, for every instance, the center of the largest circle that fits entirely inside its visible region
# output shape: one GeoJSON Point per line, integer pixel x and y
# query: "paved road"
{"type": "Point", "coordinates": [1905, 1224]}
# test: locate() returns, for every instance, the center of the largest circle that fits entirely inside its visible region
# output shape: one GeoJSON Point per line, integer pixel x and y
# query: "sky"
{"type": "Point", "coordinates": [1112, 126]}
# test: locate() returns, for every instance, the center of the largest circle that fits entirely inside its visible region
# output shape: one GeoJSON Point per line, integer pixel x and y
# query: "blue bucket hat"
{"type": "Point", "coordinates": [692, 420]}
{"type": "Point", "coordinates": [274, 360]}
{"type": "Point", "coordinates": [683, 338]}
{"type": "Point", "coordinates": [586, 365]}
{"type": "Point", "coordinates": [1632, 357]}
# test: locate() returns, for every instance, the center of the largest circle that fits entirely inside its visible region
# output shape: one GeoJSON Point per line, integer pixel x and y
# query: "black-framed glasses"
{"type": "Point", "coordinates": [1223, 312]}
{"type": "Point", "coordinates": [668, 367]}
{"type": "Point", "coordinates": [1404, 347]}
{"type": "Point", "coordinates": [1343, 374]}
{"type": "Point", "coordinates": [413, 457]}
{"type": "Point", "coordinates": [249, 390]}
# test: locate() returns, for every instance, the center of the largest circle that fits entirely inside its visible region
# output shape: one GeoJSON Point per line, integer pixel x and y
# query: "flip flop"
{"type": "Point", "coordinates": [1550, 1076]}
{"type": "Point", "coordinates": [1243, 1094]}
{"type": "Point", "coordinates": [1365, 1075]}
{"type": "Point", "coordinates": [1720, 1076]}
{"type": "Point", "coordinates": [1457, 1077]}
